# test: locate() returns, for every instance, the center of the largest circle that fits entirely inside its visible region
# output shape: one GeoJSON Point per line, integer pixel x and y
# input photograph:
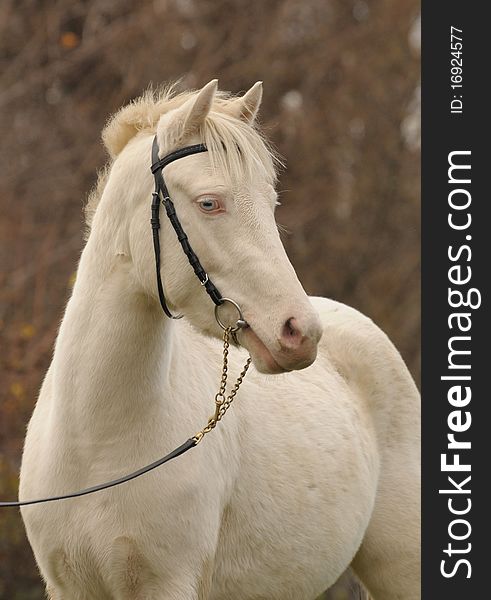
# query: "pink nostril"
{"type": "Point", "coordinates": [291, 336]}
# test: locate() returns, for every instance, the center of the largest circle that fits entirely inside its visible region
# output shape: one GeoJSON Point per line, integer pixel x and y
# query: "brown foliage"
{"type": "Point", "coordinates": [340, 78]}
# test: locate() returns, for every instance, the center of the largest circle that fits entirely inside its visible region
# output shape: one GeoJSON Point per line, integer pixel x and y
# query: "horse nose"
{"type": "Point", "coordinates": [297, 333]}
{"type": "Point", "coordinates": [291, 335]}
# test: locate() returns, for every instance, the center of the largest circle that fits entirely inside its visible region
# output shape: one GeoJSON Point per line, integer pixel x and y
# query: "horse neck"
{"type": "Point", "coordinates": [114, 350]}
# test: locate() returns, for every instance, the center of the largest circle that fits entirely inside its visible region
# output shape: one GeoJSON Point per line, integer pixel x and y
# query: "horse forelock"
{"type": "Point", "coordinates": [237, 149]}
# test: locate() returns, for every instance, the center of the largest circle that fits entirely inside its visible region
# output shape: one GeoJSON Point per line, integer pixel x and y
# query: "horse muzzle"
{"type": "Point", "coordinates": [293, 349]}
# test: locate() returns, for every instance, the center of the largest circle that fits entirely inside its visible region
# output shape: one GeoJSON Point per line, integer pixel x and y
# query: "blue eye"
{"type": "Point", "coordinates": [208, 204]}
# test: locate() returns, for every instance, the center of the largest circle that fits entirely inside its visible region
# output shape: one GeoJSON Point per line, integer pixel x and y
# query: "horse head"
{"type": "Point", "coordinates": [225, 199]}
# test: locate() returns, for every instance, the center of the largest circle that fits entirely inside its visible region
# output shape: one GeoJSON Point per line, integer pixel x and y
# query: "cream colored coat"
{"type": "Point", "coordinates": [314, 468]}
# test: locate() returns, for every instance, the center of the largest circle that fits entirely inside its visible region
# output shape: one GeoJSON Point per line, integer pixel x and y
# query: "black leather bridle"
{"type": "Point", "coordinates": [160, 195]}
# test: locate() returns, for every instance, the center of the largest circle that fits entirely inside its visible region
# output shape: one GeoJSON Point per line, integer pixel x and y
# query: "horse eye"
{"type": "Point", "coordinates": [209, 204]}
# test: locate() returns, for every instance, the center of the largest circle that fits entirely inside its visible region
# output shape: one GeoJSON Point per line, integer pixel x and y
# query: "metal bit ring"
{"type": "Point", "coordinates": [240, 323]}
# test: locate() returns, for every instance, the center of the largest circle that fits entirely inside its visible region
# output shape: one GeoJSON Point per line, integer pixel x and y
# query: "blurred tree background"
{"type": "Point", "coordinates": [341, 103]}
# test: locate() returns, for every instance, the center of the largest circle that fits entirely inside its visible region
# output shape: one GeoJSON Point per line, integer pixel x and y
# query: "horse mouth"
{"type": "Point", "coordinates": [262, 358]}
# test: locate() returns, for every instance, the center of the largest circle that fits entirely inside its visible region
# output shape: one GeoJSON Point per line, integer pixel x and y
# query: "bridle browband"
{"type": "Point", "coordinates": [161, 195]}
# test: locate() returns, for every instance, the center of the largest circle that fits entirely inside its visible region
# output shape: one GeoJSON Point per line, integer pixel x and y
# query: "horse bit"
{"type": "Point", "coordinates": [222, 401]}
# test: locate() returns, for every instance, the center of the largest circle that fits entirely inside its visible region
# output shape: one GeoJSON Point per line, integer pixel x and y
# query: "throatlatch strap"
{"type": "Point", "coordinates": [161, 193]}
{"type": "Point", "coordinates": [155, 221]}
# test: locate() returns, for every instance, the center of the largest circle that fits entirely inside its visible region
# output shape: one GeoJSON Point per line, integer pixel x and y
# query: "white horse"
{"type": "Point", "coordinates": [315, 466]}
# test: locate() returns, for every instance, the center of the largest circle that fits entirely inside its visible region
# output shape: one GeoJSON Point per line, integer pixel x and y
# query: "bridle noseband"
{"type": "Point", "coordinates": [222, 402]}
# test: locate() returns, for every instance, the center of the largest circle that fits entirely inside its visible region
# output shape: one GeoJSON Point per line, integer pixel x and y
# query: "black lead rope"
{"type": "Point", "coordinates": [161, 194]}
{"type": "Point", "coordinates": [104, 486]}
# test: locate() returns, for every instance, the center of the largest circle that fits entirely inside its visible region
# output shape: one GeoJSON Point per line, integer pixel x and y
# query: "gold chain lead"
{"type": "Point", "coordinates": [222, 403]}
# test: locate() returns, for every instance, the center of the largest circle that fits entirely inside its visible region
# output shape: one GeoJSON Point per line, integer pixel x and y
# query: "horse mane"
{"type": "Point", "coordinates": [235, 147]}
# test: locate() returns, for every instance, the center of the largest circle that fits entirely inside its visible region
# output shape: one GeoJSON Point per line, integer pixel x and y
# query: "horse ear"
{"type": "Point", "coordinates": [247, 107]}
{"type": "Point", "coordinates": [186, 120]}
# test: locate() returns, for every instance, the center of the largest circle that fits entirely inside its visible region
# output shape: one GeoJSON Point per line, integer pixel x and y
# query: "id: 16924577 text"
{"type": "Point", "coordinates": [456, 71]}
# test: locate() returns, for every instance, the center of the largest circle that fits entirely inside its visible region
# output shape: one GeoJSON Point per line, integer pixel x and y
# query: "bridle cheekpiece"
{"type": "Point", "coordinates": [161, 195]}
